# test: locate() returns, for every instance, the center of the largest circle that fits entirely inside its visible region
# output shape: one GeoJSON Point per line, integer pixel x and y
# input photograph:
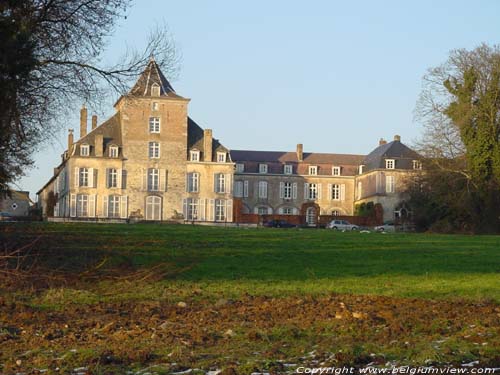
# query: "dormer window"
{"type": "Point", "coordinates": [262, 168]}
{"type": "Point", "coordinates": [417, 164]}
{"type": "Point", "coordinates": [390, 163]}
{"type": "Point", "coordinates": [221, 157]}
{"type": "Point", "coordinates": [288, 169]}
{"type": "Point", "coordinates": [313, 170]}
{"type": "Point", "coordinates": [113, 152]}
{"type": "Point", "coordinates": [155, 89]}
{"type": "Point", "coordinates": [240, 167]}
{"type": "Point", "coordinates": [84, 150]}
{"type": "Point", "coordinates": [194, 155]}
{"type": "Point", "coordinates": [361, 169]}
{"type": "Point", "coordinates": [336, 171]}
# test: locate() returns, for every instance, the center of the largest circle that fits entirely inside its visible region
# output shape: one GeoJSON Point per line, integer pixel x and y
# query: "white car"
{"type": "Point", "coordinates": [388, 226]}
{"type": "Point", "coordinates": [342, 225]}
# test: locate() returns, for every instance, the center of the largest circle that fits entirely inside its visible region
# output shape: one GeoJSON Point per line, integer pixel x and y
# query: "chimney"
{"type": "Point", "coordinates": [83, 122]}
{"type": "Point", "coordinates": [70, 139]}
{"type": "Point", "coordinates": [300, 152]}
{"type": "Point", "coordinates": [382, 141]}
{"type": "Point", "coordinates": [397, 138]}
{"type": "Point", "coordinates": [94, 122]}
{"type": "Point", "coordinates": [99, 145]}
{"type": "Point", "coordinates": [207, 144]}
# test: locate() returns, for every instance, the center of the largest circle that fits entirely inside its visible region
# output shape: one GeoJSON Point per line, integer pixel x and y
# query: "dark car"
{"type": "Point", "coordinates": [279, 224]}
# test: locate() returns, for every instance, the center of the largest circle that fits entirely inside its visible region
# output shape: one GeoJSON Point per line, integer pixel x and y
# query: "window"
{"type": "Point", "coordinates": [361, 169]}
{"type": "Point", "coordinates": [153, 179]}
{"type": "Point", "coordinates": [112, 178]}
{"type": "Point", "coordinates": [113, 151]}
{"type": "Point", "coordinates": [312, 191]}
{"type": "Point", "coordinates": [154, 124]}
{"type": "Point", "coordinates": [84, 177]}
{"type": "Point", "coordinates": [313, 170]}
{"type": "Point", "coordinates": [287, 190]}
{"type": "Point", "coordinates": [82, 206]}
{"type": "Point", "coordinates": [335, 192]}
{"type": "Point", "coordinates": [155, 89]}
{"type": "Point", "coordinates": [288, 169]}
{"type": "Point", "coordinates": [240, 168]}
{"type": "Point", "coordinates": [114, 206]}
{"type": "Point", "coordinates": [262, 211]}
{"type": "Point", "coordinates": [311, 216]}
{"type": "Point", "coordinates": [220, 183]}
{"type": "Point", "coordinates": [389, 184]}
{"type": "Point", "coordinates": [417, 164]}
{"type": "Point", "coordinates": [194, 155]}
{"type": "Point", "coordinates": [262, 189]}
{"type": "Point", "coordinates": [193, 182]}
{"type": "Point", "coordinates": [220, 210]}
{"type": "Point", "coordinates": [154, 150]}
{"type": "Point", "coordinates": [262, 168]}
{"type": "Point", "coordinates": [389, 164]}
{"type": "Point", "coordinates": [84, 150]}
{"type": "Point", "coordinates": [335, 213]}
{"type": "Point", "coordinates": [336, 171]}
{"type": "Point", "coordinates": [153, 208]}
{"type": "Point", "coordinates": [193, 206]}
{"type": "Point", "coordinates": [287, 211]}
{"type": "Point", "coordinates": [238, 189]}
{"type": "Point", "coordinates": [221, 157]}
{"type": "Point", "coordinates": [155, 106]}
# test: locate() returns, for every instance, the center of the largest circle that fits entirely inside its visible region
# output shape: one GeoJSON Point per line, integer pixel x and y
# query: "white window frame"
{"type": "Point", "coordinates": [262, 211]}
{"type": "Point", "coordinates": [113, 151]}
{"type": "Point", "coordinates": [336, 213]}
{"type": "Point", "coordinates": [287, 190]}
{"type": "Point", "coordinates": [390, 184]}
{"type": "Point", "coordinates": [84, 150]}
{"type": "Point", "coordinates": [154, 150]}
{"type": "Point", "coordinates": [288, 169]}
{"type": "Point", "coordinates": [336, 171]}
{"type": "Point", "coordinates": [220, 210]}
{"type": "Point", "coordinates": [312, 191]}
{"type": "Point", "coordinates": [390, 164]}
{"type": "Point", "coordinates": [361, 168]}
{"type": "Point", "coordinates": [82, 205]}
{"type": "Point", "coordinates": [112, 178]}
{"type": "Point", "coordinates": [221, 157]}
{"type": "Point", "coordinates": [155, 89]}
{"type": "Point", "coordinates": [262, 189]}
{"type": "Point", "coordinates": [313, 170]}
{"type": "Point", "coordinates": [335, 193]}
{"type": "Point", "coordinates": [193, 209]}
{"type": "Point", "coordinates": [220, 183]}
{"type": "Point", "coordinates": [263, 168]}
{"type": "Point", "coordinates": [154, 125]}
{"type": "Point", "coordinates": [153, 179]}
{"type": "Point", "coordinates": [287, 211]}
{"type": "Point", "coordinates": [114, 206]}
{"type": "Point", "coordinates": [240, 167]}
{"type": "Point", "coordinates": [193, 182]}
{"type": "Point", "coordinates": [84, 177]}
{"type": "Point", "coordinates": [194, 156]}
{"type": "Point", "coordinates": [417, 164]}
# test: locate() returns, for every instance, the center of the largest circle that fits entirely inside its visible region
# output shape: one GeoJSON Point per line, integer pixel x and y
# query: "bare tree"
{"type": "Point", "coordinates": [52, 58]}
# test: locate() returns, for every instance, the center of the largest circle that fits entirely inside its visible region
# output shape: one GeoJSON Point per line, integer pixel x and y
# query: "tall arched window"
{"type": "Point", "coordinates": [153, 208]}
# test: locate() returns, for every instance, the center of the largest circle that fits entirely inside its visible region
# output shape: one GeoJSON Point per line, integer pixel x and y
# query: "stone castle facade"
{"type": "Point", "coordinates": [151, 161]}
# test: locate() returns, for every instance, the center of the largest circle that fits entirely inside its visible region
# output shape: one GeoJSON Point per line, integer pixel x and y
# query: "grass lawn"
{"type": "Point", "coordinates": [431, 283]}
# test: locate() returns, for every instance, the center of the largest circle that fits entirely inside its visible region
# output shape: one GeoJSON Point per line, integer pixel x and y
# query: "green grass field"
{"type": "Point", "coordinates": [106, 297]}
{"type": "Point", "coordinates": [232, 261]}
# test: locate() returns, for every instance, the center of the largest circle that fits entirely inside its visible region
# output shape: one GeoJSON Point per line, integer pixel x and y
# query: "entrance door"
{"type": "Point", "coordinates": [311, 216]}
{"type": "Point", "coordinates": [153, 208]}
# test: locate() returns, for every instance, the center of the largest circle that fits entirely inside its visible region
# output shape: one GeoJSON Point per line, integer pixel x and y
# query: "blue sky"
{"type": "Point", "coordinates": [266, 75]}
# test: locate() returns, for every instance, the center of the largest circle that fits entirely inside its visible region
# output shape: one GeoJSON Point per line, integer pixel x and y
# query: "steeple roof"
{"type": "Point", "coordinates": [152, 75]}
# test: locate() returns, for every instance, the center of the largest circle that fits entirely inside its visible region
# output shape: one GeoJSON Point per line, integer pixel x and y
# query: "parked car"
{"type": "Point", "coordinates": [5, 216]}
{"type": "Point", "coordinates": [342, 225]}
{"type": "Point", "coordinates": [388, 226]}
{"type": "Point", "coordinates": [279, 224]}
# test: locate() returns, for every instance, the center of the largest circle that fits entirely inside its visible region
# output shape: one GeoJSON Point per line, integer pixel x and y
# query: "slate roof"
{"type": "Point", "coordinates": [195, 140]}
{"type": "Point", "coordinates": [396, 150]}
{"type": "Point", "coordinates": [112, 135]}
{"type": "Point", "coordinates": [152, 74]}
{"type": "Point", "coordinates": [276, 159]}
